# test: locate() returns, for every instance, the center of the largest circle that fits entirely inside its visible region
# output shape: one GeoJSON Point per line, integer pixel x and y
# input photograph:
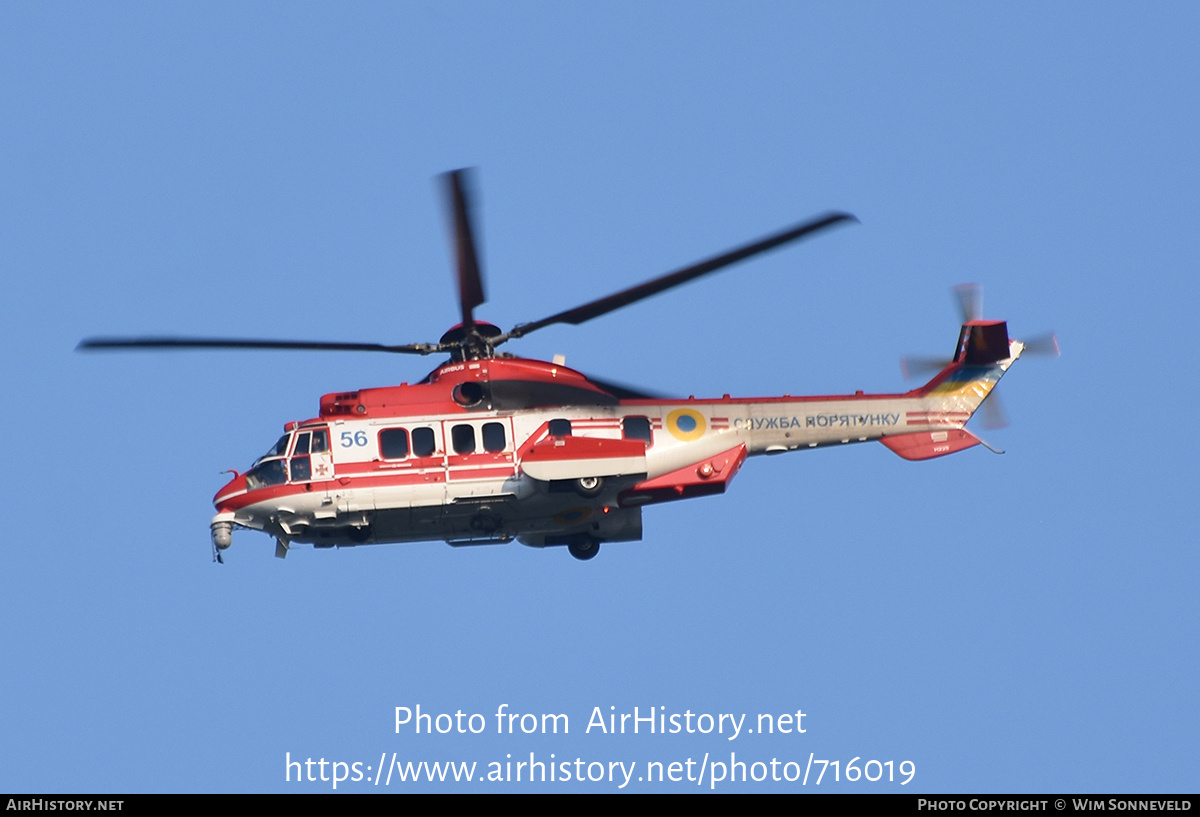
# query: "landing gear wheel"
{"type": "Point", "coordinates": [589, 487]}
{"type": "Point", "coordinates": [584, 548]}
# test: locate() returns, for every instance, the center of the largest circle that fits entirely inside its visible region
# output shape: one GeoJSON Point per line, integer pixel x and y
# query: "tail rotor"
{"type": "Point", "coordinates": [969, 299]}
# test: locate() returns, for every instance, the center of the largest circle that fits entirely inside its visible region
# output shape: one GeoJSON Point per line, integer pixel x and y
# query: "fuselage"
{"type": "Point", "coordinates": [498, 449]}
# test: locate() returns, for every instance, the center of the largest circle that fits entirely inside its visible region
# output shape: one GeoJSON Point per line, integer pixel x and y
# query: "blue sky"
{"type": "Point", "coordinates": [1024, 622]}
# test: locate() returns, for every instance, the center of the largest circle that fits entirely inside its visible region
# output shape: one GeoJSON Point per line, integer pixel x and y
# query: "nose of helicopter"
{"type": "Point", "coordinates": [233, 488]}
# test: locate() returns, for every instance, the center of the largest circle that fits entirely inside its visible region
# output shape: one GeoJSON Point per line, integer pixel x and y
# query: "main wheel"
{"type": "Point", "coordinates": [589, 487]}
{"type": "Point", "coordinates": [584, 548]}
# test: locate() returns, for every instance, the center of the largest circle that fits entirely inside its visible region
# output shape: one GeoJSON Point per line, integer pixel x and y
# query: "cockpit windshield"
{"type": "Point", "coordinates": [266, 473]}
{"type": "Point", "coordinates": [272, 468]}
{"type": "Point", "coordinates": [278, 450]}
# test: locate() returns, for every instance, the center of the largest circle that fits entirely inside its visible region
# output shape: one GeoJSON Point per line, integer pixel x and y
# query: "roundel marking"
{"type": "Point", "coordinates": [686, 424]}
{"type": "Point", "coordinates": [573, 515]}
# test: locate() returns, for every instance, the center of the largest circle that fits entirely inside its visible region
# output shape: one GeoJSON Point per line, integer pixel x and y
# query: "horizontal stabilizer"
{"type": "Point", "coordinates": [925, 445]}
{"type": "Point", "coordinates": [705, 478]}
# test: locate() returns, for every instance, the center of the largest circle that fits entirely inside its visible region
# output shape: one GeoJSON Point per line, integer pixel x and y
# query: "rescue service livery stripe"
{"type": "Point", "coordinates": [817, 421]}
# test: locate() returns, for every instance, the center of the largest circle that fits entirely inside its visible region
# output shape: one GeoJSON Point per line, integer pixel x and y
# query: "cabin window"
{"type": "Point", "coordinates": [494, 438]}
{"type": "Point", "coordinates": [302, 443]}
{"type": "Point", "coordinates": [393, 443]}
{"type": "Point", "coordinates": [462, 437]}
{"type": "Point", "coordinates": [637, 428]}
{"type": "Point", "coordinates": [423, 442]}
{"type": "Point", "coordinates": [560, 428]}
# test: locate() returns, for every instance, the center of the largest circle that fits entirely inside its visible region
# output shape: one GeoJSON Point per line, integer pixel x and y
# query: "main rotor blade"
{"type": "Point", "coordinates": [96, 344]}
{"type": "Point", "coordinates": [470, 281]}
{"type": "Point", "coordinates": [625, 297]}
{"type": "Point", "coordinates": [626, 392]}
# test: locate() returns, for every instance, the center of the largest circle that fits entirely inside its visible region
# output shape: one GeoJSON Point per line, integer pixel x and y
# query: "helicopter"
{"type": "Point", "coordinates": [490, 448]}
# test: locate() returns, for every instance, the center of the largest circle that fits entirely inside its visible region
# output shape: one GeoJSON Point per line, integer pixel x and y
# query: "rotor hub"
{"type": "Point", "coordinates": [472, 342]}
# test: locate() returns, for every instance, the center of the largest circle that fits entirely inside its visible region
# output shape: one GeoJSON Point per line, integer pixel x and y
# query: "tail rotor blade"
{"type": "Point", "coordinates": [994, 415]}
{"type": "Point", "coordinates": [914, 366]}
{"type": "Point", "coordinates": [970, 301]}
{"type": "Point", "coordinates": [1044, 345]}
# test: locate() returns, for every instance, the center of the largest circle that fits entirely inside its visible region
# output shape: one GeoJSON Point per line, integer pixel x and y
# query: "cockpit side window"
{"type": "Point", "coordinates": [301, 468]}
{"type": "Point", "coordinates": [300, 464]}
{"type": "Point", "coordinates": [302, 443]}
{"type": "Point", "coordinates": [320, 441]}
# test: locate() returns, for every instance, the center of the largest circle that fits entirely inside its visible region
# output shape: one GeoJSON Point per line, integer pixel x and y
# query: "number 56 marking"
{"type": "Point", "coordinates": [349, 440]}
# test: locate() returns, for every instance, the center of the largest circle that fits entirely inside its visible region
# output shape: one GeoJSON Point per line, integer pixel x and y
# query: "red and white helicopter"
{"type": "Point", "coordinates": [490, 447]}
